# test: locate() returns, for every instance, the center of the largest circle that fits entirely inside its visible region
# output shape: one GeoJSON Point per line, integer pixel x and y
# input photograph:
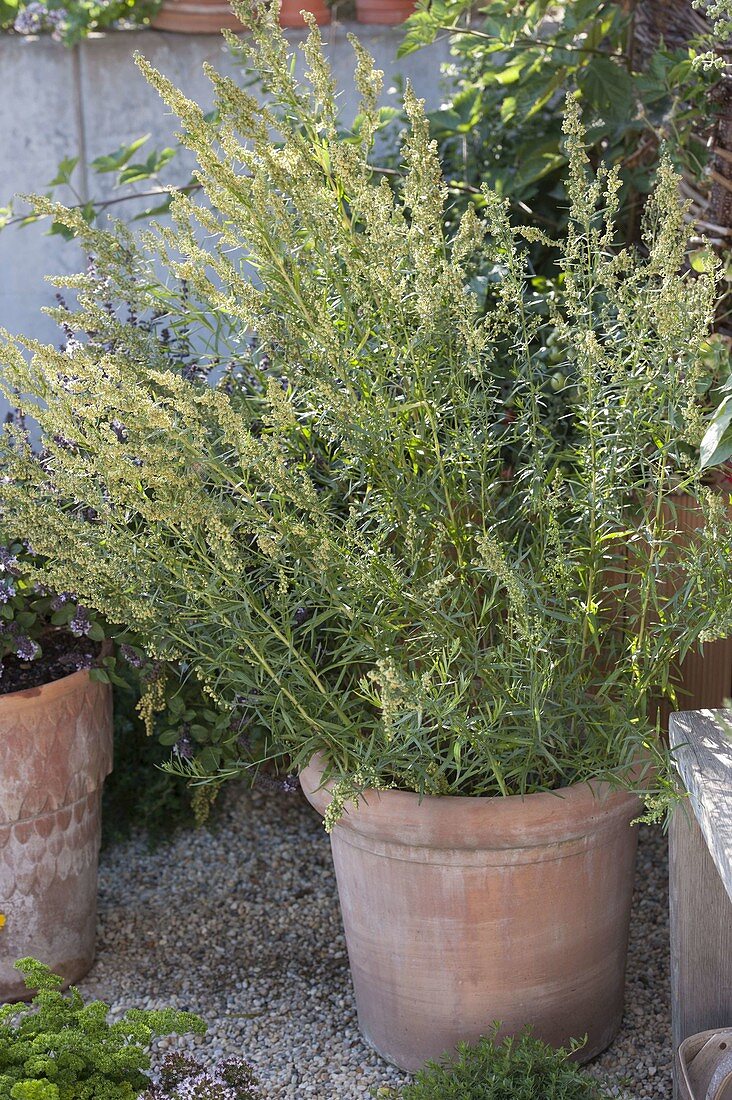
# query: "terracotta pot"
{"type": "Point", "coordinates": [290, 12]}
{"type": "Point", "coordinates": [196, 17]}
{"type": "Point", "coordinates": [387, 12]}
{"type": "Point", "coordinates": [55, 752]}
{"type": "Point", "coordinates": [461, 911]}
{"type": "Point", "coordinates": [704, 677]}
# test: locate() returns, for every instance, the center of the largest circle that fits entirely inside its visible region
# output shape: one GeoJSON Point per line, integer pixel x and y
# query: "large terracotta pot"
{"type": "Point", "coordinates": [196, 17]}
{"type": "Point", "coordinates": [462, 911]}
{"type": "Point", "coordinates": [386, 12]}
{"type": "Point", "coordinates": [290, 12]}
{"type": "Point", "coordinates": [55, 752]}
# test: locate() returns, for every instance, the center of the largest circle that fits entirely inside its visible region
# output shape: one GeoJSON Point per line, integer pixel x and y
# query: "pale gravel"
{"type": "Point", "coordinates": [241, 924]}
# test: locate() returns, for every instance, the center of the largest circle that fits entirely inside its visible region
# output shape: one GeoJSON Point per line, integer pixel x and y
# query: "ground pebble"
{"type": "Point", "coordinates": [241, 924]}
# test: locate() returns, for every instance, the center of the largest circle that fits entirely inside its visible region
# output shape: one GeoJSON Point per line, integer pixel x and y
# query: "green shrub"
{"type": "Point", "coordinates": [58, 1048]}
{"type": "Point", "coordinates": [521, 1068]}
{"type": "Point", "coordinates": [388, 555]}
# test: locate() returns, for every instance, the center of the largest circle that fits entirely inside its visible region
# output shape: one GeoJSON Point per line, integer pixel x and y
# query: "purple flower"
{"type": "Point", "coordinates": [81, 623]}
{"type": "Point", "coordinates": [63, 597]}
{"type": "Point", "coordinates": [7, 590]}
{"type": "Point", "coordinates": [129, 653]}
{"type": "Point", "coordinates": [27, 649]}
{"type": "Point", "coordinates": [8, 561]}
{"type": "Point", "coordinates": [265, 782]}
{"type": "Point", "coordinates": [32, 19]}
{"type": "Point", "coordinates": [119, 430]}
{"type": "Point", "coordinates": [184, 747]}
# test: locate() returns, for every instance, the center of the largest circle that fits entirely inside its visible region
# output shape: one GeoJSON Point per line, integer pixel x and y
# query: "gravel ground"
{"type": "Point", "coordinates": [242, 926]}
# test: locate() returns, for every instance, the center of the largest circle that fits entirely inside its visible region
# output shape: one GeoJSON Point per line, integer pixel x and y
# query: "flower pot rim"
{"type": "Point", "coordinates": [477, 821]}
{"type": "Point", "coordinates": [51, 689]}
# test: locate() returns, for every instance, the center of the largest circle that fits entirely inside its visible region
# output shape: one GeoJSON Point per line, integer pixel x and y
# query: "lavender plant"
{"type": "Point", "coordinates": [385, 553]}
{"type": "Point", "coordinates": [184, 1078]}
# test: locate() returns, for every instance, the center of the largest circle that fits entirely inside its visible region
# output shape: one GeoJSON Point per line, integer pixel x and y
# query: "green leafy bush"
{"type": "Point", "coordinates": [69, 21]}
{"type": "Point", "coordinates": [58, 1048]}
{"type": "Point", "coordinates": [521, 1068]}
{"type": "Point", "coordinates": [502, 125]}
{"type": "Point", "coordinates": [385, 552]}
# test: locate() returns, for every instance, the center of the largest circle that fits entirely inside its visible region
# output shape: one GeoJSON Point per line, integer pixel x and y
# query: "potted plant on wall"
{"type": "Point", "coordinates": [387, 561]}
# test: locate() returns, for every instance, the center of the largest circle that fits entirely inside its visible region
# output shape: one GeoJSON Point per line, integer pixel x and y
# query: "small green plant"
{"type": "Point", "coordinates": [58, 1048]}
{"type": "Point", "coordinates": [521, 1068]}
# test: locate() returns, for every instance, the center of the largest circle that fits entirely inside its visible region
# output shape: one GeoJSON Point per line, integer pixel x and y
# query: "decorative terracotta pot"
{"type": "Point", "coordinates": [388, 12]}
{"type": "Point", "coordinates": [461, 911]}
{"type": "Point", "coordinates": [290, 12]}
{"type": "Point", "coordinates": [196, 17]}
{"type": "Point", "coordinates": [55, 752]}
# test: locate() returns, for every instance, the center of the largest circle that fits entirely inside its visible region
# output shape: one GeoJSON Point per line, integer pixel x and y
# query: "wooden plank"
{"type": "Point", "coordinates": [702, 744]}
{"type": "Point", "coordinates": [701, 933]}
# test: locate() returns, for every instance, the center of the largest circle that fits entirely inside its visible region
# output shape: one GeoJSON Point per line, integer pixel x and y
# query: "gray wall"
{"type": "Point", "coordinates": [90, 100]}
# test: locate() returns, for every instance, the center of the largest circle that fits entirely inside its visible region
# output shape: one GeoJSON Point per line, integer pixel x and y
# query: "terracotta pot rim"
{"type": "Point", "coordinates": [52, 689]}
{"type": "Point", "coordinates": [474, 821]}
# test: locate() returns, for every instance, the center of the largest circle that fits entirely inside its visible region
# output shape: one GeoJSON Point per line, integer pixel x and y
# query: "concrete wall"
{"type": "Point", "coordinates": [90, 100]}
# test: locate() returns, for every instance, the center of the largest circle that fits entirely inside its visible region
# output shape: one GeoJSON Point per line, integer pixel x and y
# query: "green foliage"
{"type": "Point", "coordinates": [58, 1048]}
{"type": "Point", "coordinates": [377, 545]}
{"type": "Point", "coordinates": [8, 12]}
{"type": "Point", "coordinates": [136, 180]}
{"type": "Point", "coordinates": [503, 124]}
{"type": "Point", "coordinates": [33, 619]}
{"type": "Point", "coordinates": [139, 794]}
{"type": "Point", "coordinates": [521, 1068]}
{"type": "Point", "coordinates": [70, 21]}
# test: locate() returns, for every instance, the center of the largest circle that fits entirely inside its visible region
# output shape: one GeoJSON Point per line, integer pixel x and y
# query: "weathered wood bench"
{"type": "Point", "coordinates": [700, 873]}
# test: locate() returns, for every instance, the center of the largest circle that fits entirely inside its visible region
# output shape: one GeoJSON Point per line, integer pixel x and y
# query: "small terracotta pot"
{"type": "Point", "coordinates": [290, 12]}
{"type": "Point", "coordinates": [55, 752]}
{"type": "Point", "coordinates": [196, 17]}
{"type": "Point", "coordinates": [388, 12]}
{"type": "Point", "coordinates": [461, 911]}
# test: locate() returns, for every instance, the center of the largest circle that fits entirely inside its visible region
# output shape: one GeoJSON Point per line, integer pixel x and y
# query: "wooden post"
{"type": "Point", "coordinates": [700, 876]}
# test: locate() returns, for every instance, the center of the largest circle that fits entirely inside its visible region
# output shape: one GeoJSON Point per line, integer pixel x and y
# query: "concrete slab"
{"type": "Point", "coordinates": [39, 126]}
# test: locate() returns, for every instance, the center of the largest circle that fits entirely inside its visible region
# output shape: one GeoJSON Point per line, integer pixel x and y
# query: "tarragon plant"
{"type": "Point", "coordinates": [513, 1068]}
{"type": "Point", "coordinates": [382, 550]}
